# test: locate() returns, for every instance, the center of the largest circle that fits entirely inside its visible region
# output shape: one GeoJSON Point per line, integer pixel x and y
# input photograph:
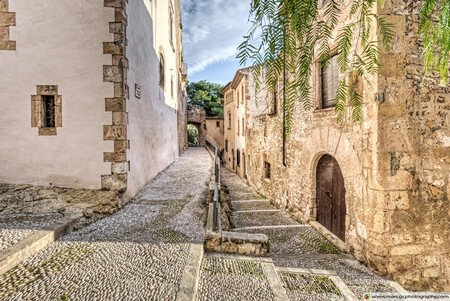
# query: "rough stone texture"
{"type": "Point", "coordinates": [305, 287]}
{"type": "Point", "coordinates": [237, 243]}
{"type": "Point", "coordinates": [395, 163]}
{"type": "Point", "coordinates": [117, 74]}
{"type": "Point", "coordinates": [7, 19]}
{"type": "Point", "coordinates": [229, 279]}
{"type": "Point", "coordinates": [139, 253]}
{"type": "Point", "coordinates": [32, 207]}
{"type": "Point", "coordinates": [196, 116]}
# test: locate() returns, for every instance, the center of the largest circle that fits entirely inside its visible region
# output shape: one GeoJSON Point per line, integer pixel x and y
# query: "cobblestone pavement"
{"type": "Point", "coordinates": [139, 253]}
{"type": "Point", "coordinates": [297, 248]}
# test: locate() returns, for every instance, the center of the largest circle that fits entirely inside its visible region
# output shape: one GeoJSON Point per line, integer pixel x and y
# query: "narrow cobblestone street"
{"type": "Point", "coordinates": [139, 253]}
{"type": "Point", "coordinates": [149, 250]}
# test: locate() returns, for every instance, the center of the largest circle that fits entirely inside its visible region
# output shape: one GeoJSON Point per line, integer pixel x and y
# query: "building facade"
{"type": "Point", "coordinates": [380, 186]}
{"type": "Point", "coordinates": [215, 131]}
{"type": "Point", "coordinates": [91, 92]}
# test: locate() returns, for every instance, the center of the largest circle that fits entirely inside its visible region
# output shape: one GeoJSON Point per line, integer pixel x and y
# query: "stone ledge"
{"type": "Point", "coordinates": [237, 243]}
{"type": "Point", "coordinates": [13, 255]}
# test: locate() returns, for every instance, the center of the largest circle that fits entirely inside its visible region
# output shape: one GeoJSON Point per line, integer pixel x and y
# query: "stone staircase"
{"type": "Point", "coordinates": [303, 264]}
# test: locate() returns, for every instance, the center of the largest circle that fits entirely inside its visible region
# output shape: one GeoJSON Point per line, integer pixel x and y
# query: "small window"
{"type": "Point", "coordinates": [226, 145]}
{"type": "Point", "coordinates": [49, 111]}
{"type": "Point", "coordinates": [243, 96]}
{"type": "Point", "coordinates": [237, 100]}
{"type": "Point", "coordinates": [171, 86]}
{"type": "Point", "coordinates": [161, 71]}
{"type": "Point", "coordinates": [243, 126]}
{"type": "Point", "coordinates": [238, 127]}
{"type": "Point", "coordinates": [330, 82]}
{"type": "Point", "coordinates": [273, 109]}
{"type": "Point", "coordinates": [267, 170]}
{"type": "Point", "coordinates": [238, 158]}
{"type": "Point", "coordinates": [171, 25]}
{"type": "Point", "coordinates": [229, 120]}
{"type": "Point", "coordinates": [217, 124]}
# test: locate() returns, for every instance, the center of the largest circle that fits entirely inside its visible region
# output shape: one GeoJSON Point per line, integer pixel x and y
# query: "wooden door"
{"type": "Point", "coordinates": [330, 196]}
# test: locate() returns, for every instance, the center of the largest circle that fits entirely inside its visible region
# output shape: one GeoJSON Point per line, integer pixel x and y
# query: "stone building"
{"type": "Point", "coordinates": [92, 92]}
{"type": "Point", "coordinates": [380, 186]}
{"type": "Point", "coordinates": [240, 103]}
{"type": "Point", "coordinates": [215, 131]}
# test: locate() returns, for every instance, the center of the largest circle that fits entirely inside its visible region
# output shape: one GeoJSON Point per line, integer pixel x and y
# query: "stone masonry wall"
{"type": "Point", "coordinates": [395, 163]}
{"type": "Point", "coordinates": [411, 186]}
{"type": "Point", "coordinates": [117, 74]}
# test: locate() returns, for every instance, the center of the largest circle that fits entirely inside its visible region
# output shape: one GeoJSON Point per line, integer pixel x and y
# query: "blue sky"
{"type": "Point", "coordinates": [213, 29]}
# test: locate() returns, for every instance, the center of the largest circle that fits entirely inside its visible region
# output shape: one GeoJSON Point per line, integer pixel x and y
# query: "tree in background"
{"type": "Point", "coordinates": [207, 95]}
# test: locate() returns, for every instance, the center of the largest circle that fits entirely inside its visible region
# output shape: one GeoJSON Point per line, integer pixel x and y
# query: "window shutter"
{"type": "Point", "coordinates": [330, 82]}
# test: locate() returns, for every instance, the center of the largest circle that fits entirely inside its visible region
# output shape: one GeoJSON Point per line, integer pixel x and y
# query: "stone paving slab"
{"type": "Point", "coordinates": [308, 287]}
{"type": "Point", "coordinates": [298, 240]}
{"type": "Point", "coordinates": [228, 279]}
{"type": "Point", "coordinates": [358, 278]}
{"type": "Point", "coordinates": [253, 219]}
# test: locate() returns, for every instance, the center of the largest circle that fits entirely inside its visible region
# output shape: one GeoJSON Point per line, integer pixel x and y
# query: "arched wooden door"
{"type": "Point", "coordinates": [330, 196]}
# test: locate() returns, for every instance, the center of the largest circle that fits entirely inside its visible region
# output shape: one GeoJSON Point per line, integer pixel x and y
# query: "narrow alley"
{"type": "Point", "coordinates": [152, 249]}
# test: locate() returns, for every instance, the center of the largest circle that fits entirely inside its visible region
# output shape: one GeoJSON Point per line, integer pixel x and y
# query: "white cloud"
{"type": "Point", "coordinates": [213, 29]}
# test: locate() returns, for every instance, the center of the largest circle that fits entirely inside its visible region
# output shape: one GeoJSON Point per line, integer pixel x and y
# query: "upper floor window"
{"type": "Point", "coordinates": [273, 100]}
{"type": "Point", "coordinates": [243, 126]}
{"type": "Point", "coordinates": [237, 100]}
{"type": "Point", "coordinates": [242, 93]}
{"type": "Point", "coordinates": [217, 124]}
{"type": "Point", "coordinates": [229, 120]}
{"type": "Point", "coordinates": [49, 111]}
{"type": "Point", "coordinates": [161, 72]}
{"type": "Point", "coordinates": [330, 82]}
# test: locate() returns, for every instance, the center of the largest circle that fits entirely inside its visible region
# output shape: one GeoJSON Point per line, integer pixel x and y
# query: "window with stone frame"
{"type": "Point", "coordinates": [243, 95]}
{"type": "Point", "coordinates": [161, 71]}
{"type": "Point", "coordinates": [229, 120]}
{"type": "Point", "coordinates": [267, 171]}
{"type": "Point", "coordinates": [217, 124]}
{"type": "Point", "coordinates": [238, 127]}
{"type": "Point", "coordinates": [226, 145]}
{"type": "Point", "coordinates": [171, 86]}
{"type": "Point", "coordinates": [46, 110]}
{"type": "Point", "coordinates": [329, 82]}
{"type": "Point", "coordinates": [237, 99]}
{"type": "Point", "coordinates": [243, 126]}
{"type": "Point", "coordinates": [273, 100]}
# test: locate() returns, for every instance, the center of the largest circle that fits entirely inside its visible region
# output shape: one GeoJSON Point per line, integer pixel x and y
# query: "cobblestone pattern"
{"type": "Point", "coordinates": [223, 279]}
{"type": "Point", "coordinates": [238, 189]}
{"type": "Point", "coordinates": [359, 278]}
{"type": "Point", "coordinates": [305, 287]}
{"type": "Point", "coordinates": [301, 240]}
{"type": "Point", "coordinates": [139, 253]}
{"type": "Point", "coordinates": [17, 227]}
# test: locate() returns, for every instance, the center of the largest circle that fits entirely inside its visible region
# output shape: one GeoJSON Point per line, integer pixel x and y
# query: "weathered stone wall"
{"type": "Point", "coordinates": [196, 115]}
{"type": "Point", "coordinates": [395, 163]}
{"type": "Point", "coordinates": [411, 184]}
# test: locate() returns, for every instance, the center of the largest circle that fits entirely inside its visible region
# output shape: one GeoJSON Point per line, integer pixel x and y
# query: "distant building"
{"type": "Point", "coordinates": [92, 92]}
{"type": "Point", "coordinates": [215, 131]}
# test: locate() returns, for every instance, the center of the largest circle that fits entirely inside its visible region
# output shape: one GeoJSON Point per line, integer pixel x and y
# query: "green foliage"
{"type": "Point", "coordinates": [435, 31]}
{"type": "Point", "coordinates": [207, 95]}
{"type": "Point", "coordinates": [64, 297]}
{"type": "Point", "coordinates": [287, 36]}
{"type": "Point", "coordinates": [193, 134]}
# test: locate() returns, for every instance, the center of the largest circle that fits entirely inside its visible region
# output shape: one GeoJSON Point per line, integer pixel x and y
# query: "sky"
{"type": "Point", "coordinates": [212, 31]}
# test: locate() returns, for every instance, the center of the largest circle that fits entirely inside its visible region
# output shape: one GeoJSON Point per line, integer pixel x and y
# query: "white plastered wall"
{"type": "Point", "coordinates": [59, 42]}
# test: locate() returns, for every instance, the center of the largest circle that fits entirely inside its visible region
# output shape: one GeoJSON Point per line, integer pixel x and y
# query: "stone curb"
{"type": "Point", "coordinates": [237, 243]}
{"type": "Point", "coordinates": [191, 274]}
{"type": "Point", "coordinates": [16, 253]}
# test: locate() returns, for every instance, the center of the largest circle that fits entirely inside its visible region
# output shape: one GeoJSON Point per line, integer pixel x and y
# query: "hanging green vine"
{"type": "Point", "coordinates": [287, 36]}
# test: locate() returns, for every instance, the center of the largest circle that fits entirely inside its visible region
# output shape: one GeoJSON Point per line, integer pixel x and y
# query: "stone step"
{"type": "Point", "coordinates": [255, 219]}
{"type": "Point", "coordinates": [252, 205]}
{"type": "Point", "coordinates": [301, 239]}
